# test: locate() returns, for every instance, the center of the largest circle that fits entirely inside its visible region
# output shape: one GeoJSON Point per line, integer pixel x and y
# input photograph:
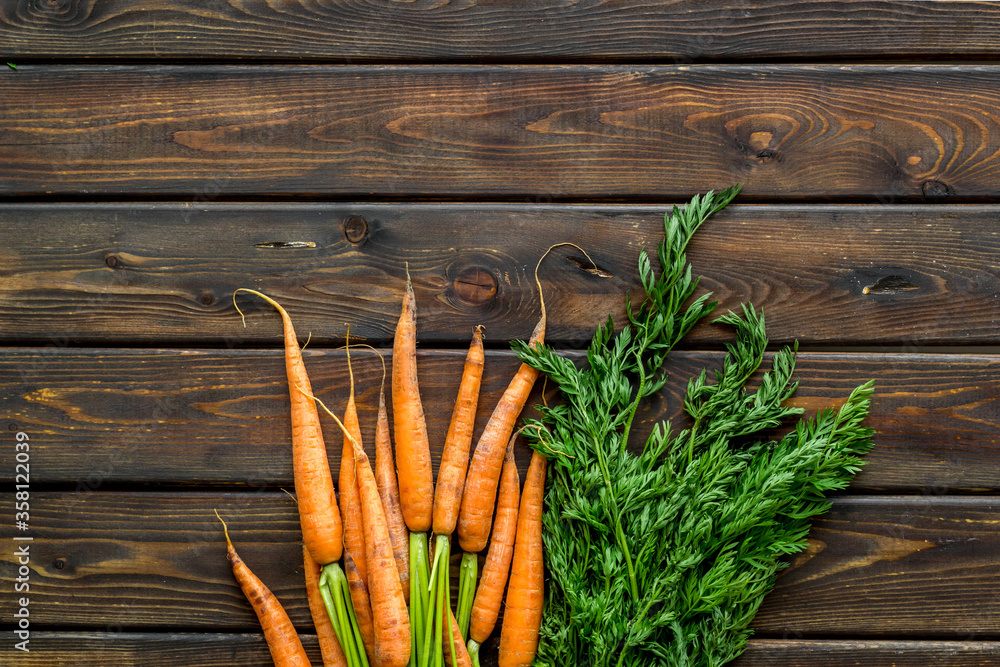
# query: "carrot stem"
{"type": "Point", "coordinates": [336, 595]}
{"type": "Point", "coordinates": [419, 598]}
{"type": "Point", "coordinates": [473, 647]}
{"type": "Point", "coordinates": [467, 574]}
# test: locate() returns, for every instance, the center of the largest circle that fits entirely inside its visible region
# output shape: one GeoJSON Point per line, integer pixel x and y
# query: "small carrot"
{"type": "Point", "coordinates": [526, 591]}
{"type": "Point", "coordinates": [455, 455]}
{"type": "Point", "coordinates": [355, 566]}
{"type": "Point", "coordinates": [413, 458]}
{"type": "Point", "coordinates": [350, 509]}
{"type": "Point", "coordinates": [361, 602]}
{"type": "Point", "coordinates": [489, 595]}
{"type": "Point", "coordinates": [282, 640]}
{"type": "Point", "coordinates": [388, 490]}
{"type": "Point", "coordinates": [329, 646]}
{"type": "Point", "coordinates": [392, 622]}
{"type": "Point", "coordinates": [319, 515]}
{"type": "Point", "coordinates": [454, 461]}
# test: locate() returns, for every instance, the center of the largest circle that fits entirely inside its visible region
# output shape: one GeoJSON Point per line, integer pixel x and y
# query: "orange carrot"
{"type": "Point", "coordinates": [526, 591]}
{"type": "Point", "coordinates": [481, 481]}
{"type": "Point", "coordinates": [319, 516]}
{"type": "Point", "coordinates": [350, 509]}
{"type": "Point", "coordinates": [361, 602]}
{"type": "Point", "coordinates": [385, 479]}
{"type": "Point", "coordinates": [455, 456]}
{"type": "Point", "coordinates": [282, 640]}
{"type": "Point", "coordinates": [392, 622]}
{"type": "Point", "coordinates": [489, 595]}
{"type": "Point", "coordinates": [355, 565]}
{"type": "Point", "coordinates": [413, 458]}
{"type": "Point", "coordinates": [333, 655]}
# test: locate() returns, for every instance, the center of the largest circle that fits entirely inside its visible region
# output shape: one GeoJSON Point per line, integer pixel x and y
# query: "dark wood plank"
{"type": "Point", "coordinates": [128, 649]}
{"type": "Point", "coordinates": [871, 653]}
{"type": "Point", "coordinates": [164, 274]}
{"type": "Point", "coordinates": [873, 132]}
{"type": "Point", "coordinates": [892, 566]}
{"type": "Point", "coordinates": [341, 31]}
{"type": "Point", "coordinates": [212, 417]}
{"type": "Point", "coordinates": [889, 567]}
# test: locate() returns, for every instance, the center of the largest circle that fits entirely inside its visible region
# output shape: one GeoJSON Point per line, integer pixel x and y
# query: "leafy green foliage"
{"type": "Point", "coordinates": [662, 556]}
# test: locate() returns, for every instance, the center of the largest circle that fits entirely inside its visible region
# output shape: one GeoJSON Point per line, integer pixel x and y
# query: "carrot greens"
{"type": "Point", "coordinates": [661, 554]}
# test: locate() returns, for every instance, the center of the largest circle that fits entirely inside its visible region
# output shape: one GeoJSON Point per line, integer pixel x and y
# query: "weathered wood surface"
{"type": "Point", "coordinates": [878, 566]}
{"type": "Point", "coordinates": [221, 417]}
{"type": "Point", "coordinates": [877, 133]}
{"type": "Point", "coordinates": [164, 274]}
{"type": "Point", "coordinates": [869, 653]}
{"type": "Point", "coordinates": [125, 649]}
{"type": "Point", "coordinates": [548, 31]}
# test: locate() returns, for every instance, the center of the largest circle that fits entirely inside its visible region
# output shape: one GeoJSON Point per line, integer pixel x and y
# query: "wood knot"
{"type": "Point", "coordinates": [355, 229]}
{"type": "Point", "coordinates": [111, 262]}
{"type": "Point", "coordinates": [474, 286]}
{"type": "Point", "coordinates": [936, 190]}
{"type": "Point", "coordinates": [890, 285]}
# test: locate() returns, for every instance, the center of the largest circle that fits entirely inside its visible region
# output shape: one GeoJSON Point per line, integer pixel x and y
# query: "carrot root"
{"type": "Point", "coordinates": [467, 574]}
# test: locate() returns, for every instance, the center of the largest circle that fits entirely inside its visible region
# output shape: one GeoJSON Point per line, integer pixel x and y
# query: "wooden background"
{"type": "Point", "coordinates": [156, 156]}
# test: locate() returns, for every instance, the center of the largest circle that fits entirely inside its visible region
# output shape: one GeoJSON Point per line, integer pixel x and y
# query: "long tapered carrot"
{"type": "Point", "coordinates": [481, 481]}
{"type": "Point", "coordinates": [350, 508]}
{"type": "Point", "coordinates": [329, 646]}
{"type": "Point", "coordinates": [526, 591]}
{"type": "Point", "coordinates": [361, 601]}
{"type": "Point", "coordinates": [388, 490]}
{"type": "Point", "coordinates": [413, 458]}
{"type": "Point", "coordinates": [489, 595]}
{"type": "Point", "coordinates": [455, 455]}
{"type": "Point", "coordinates": [392, 622]}
{"type": "Point", "coordinates": [319, 515]}
{"type": "Point", "coordinates": [282, 639]}
{"type": "Point", "coordinates": [476, 513]}
{"type": "Point", "coordinates": [355, 563]}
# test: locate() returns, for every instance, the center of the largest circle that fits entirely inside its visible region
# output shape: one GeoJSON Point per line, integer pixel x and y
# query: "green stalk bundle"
{"type": "Point", "coordinates": [660, 554]}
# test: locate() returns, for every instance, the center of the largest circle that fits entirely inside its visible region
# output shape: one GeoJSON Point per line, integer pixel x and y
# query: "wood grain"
{"type": "Point", "coordinates": [164, 274]}
{"type": "Point", "coordinates": [537, 133]}
{"type": "Point", "coordinates": [100, 418]}
{"type": "Point", "coordinates": [892, 567]}
{"type": "Point", "coordinates": [547, 31]}
{"type": "Point", "coordinates": [143, 649]}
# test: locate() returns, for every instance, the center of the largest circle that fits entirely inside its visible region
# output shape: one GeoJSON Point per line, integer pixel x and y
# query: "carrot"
{"type": "Point", "coordinates": [361, 602]}
{"type": "Point", "coordinates": [282, 640]}
{"type": "Point", "coordinates": [455, 456]}
{"type": "Point", "coordinates": [333, 655]}
{"type": "Point", "coordinates": [350, 510]}
{"type": "Point", "coordinates": [413, 458]}
{"type": "Point", "coordinates": [392, 622]}
{"type": "Point", "coordinates": [355, 566]}
{"type": "Point", "coordinates": [526, 591]}
{"type": "Point", "coordinates": [385, 479]}
{"type": "Point", "coordinates": [319, 516]}
{"type": "Point", "coordinates": [489, 595]}
{"type": "Point", "coordinates": [481, 481]}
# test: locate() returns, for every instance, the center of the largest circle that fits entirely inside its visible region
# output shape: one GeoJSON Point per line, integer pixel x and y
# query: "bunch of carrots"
{"type": "Point", "coordinates": [378, 587]}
